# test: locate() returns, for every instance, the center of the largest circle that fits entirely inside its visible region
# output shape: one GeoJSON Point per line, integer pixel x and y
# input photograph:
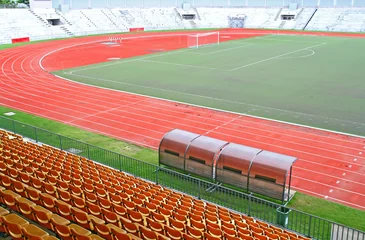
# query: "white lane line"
{"type": "Point", "coordinates": [278, 56]}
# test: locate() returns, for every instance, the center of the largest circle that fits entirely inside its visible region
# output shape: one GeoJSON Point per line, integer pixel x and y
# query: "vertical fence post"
{"type": "Point", "coordinates": [157, 170]}
{"type": "Point", "coordinates": [36, 136]}
{"type": "Point", "coordinates": [13, 122]}
{"type": "Point", "coordinates": [59, 136]}
{"type": "Point", "coordinates": [120, 162]}
{"type": "Point", "coordinates": [310, 223]}
{"type": "Point", "coordinates": [249, 205]}
{"type": "Point", "coordinates": [199, 183]}
{"type": "Point", "coordinates": [88, 151]}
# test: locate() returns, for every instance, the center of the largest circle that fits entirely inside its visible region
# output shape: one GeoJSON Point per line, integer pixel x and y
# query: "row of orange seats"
{"type": "Point", "coordinates": [139, 195]}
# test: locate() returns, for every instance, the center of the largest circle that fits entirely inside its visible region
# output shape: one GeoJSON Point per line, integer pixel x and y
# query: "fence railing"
{"type": "Point", "coordinates": [300, 222]}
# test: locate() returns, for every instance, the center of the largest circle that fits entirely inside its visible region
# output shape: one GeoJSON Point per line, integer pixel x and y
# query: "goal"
{"type": "Point", "coordinates": [203, 39]}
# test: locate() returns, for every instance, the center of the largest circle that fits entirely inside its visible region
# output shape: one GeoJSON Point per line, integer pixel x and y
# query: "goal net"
{"type": "Point", "coordinates": [203, 39]}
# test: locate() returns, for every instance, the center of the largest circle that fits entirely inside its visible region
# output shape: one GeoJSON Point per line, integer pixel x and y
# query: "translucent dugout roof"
{"type": "Point", "coordinates": [237, 157]}
{"type": "Point", "coordinates": [205, 148]}
{"type": "Point", "coordinates": [272, 165]}
{"type": "Point", "coordinates": [177, 140]}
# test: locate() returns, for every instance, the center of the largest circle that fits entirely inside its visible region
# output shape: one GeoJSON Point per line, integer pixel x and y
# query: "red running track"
{"type": "Point", "coordinates": [329, 165]}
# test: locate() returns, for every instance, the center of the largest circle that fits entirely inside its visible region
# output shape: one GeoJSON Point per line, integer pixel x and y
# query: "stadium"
{"type": "Point", "coordinates": [182, 119]}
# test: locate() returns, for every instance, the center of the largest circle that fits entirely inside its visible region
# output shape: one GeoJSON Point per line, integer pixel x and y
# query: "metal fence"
{"type": "Point", "coordinates": [300, 222]}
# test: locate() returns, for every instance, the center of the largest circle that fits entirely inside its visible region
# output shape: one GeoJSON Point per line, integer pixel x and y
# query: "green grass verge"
{"type": "Point", "coordinates": [332, 211]}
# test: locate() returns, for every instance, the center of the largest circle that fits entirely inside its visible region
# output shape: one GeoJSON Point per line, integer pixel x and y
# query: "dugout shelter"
{"type": "Point", "coordinates": [253, 169]}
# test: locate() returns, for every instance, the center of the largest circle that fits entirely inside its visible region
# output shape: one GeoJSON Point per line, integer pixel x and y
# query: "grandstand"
{"type": "Point", "coordinates": [52, 188]}
{"type": "Point", "coordinates": [79, 19]}
{"type": "Point", "coordinates": [72, 197]}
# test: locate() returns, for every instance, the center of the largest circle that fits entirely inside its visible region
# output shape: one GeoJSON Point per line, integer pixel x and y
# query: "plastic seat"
{"type": "Point", "coordinates": [78, 202]}
{"type": "Point", "coordinates": [64, 231]}
{"type": "Point", "coordinates": [48, 201]}
{"type": "Point", "coordinates": [5, 181]}
{"type": "Point", "coordinates": [19, 188]}
{"type": "Point", "coordinates": [24, 178]}
{"type": "Point", "coordinates": [188, 237]}
{"type": "Point", "coordinates": [62, 185]}
{"type": "Point", "coordinates": [256, 230]}
{"type": "Point", "coordinates": [172, 233]}
{"type": "Point", "coordinates": [93, 209]}
{"type": "Point", "coordinates": [259, 236]}
{"type": "Point", "coordinates": [81, 218]}
{"type": "Point", "coordinates": [64, 209]}
{"type": "Point", "coordinates": [135, 216]}
{"type": "Point", "coordinates": [120, 210]}
{"type": "Point", "coordinates": [100, 192]}
{"type": "Point", "coordinates": [158, 217]}
{"type": "Point", "coordinates": [129, 204]}
{"type": "Point", "coordinates": [115, 199]}
{"type": "Point", "coordinates": [194, 232]}
{"type": "Point", "coordinates": [131, 228]}
{"type": "Point", "coordinates": [64, 196]}
{"type": "Point", "coordinates": [243, 231]}
{"type": "Point", "coordinates": [245, 237]}
{"type": "Point", "coordinates": [119, 234]}
{"type": "Point", "coordinates": [177, 225]}
{"type": "Point", "coordinates": [43, 217]}
{"type": "Point", "coordinates": [9, 197]}
{"type": "Point", "coordinates": [214, 232]}
{"type": "Point", "coordinates": [49, 189]}
{"type": "Point", "coordinates": [36, 183]}
{"type": "Point", "coordinates": [33, 232]}
{"type": "Point", "coordinates": [76, 191]}
{"type": "Point", "coordinates": [147, 234]}
{"type": "Point", "coordinates": [197, 225]}
{"type": "Point", "coordinates": [90, 197]}
{"type": "Point", "coordinates": [102, 229]}
{"type": "Point", "coordinates": [111, 217]}
{"type": "Point", "coordinates": [104, 203]}
{"type": "Point", "coordinates": [13, 173]}
{"type": "Point", "coordinates": [208, 236]}
{"type": "Point", "coordinates": [155, 226]}
{"type": "Point", "coordinates": [228, 231]}
{"type": "Point", "coordinates": [24, 207]}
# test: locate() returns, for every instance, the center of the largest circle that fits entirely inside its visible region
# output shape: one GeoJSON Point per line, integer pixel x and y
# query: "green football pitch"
{"type": "Point", "coordinates": [310, 80]}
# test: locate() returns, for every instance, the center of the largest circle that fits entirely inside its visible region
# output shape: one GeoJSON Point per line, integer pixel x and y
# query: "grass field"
{"type": "Point", "coordinates": [316, 206]}
{"type": "Point", "coordinates": [310, 80]}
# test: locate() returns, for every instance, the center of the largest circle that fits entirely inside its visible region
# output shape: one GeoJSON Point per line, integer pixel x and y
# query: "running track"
{"type": "Point", "coordinates": [329, 165]}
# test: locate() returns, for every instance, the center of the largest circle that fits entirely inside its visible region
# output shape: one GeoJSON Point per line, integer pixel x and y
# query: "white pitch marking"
{"type": "Point", "coordinates": [180, 65]}
{"type": "Point", "coordinates": [278, 56]}
{"type": "Point", "coordinates": [227, 49]}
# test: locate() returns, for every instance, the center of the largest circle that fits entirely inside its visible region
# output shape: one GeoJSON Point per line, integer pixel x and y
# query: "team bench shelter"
{"type": "Point", "coordinates": [253, 169]}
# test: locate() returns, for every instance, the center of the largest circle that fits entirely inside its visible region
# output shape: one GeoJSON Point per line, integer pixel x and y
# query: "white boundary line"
{"type": "Point", "coordinates": [195, 105]}
{"type": "Point", "coordinates": [275, 57]}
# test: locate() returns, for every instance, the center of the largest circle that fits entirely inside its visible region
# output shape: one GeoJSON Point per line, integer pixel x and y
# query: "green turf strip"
{"type": "Point", "coordinates": [310, 80]}
{"type": "Point", "coordinates": [318, 207]}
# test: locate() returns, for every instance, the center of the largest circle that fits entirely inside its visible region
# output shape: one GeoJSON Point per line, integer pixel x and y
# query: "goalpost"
{"type": "Point", "coordinates": [202, 39]}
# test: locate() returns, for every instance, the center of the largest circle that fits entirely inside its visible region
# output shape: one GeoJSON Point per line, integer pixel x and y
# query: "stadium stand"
{"type": "Point", "coordinates": [338, 19]}
{"type": "Point", "coordinates": [51, 23]}
{"type": "Point", "coordinates": [71, 197]}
